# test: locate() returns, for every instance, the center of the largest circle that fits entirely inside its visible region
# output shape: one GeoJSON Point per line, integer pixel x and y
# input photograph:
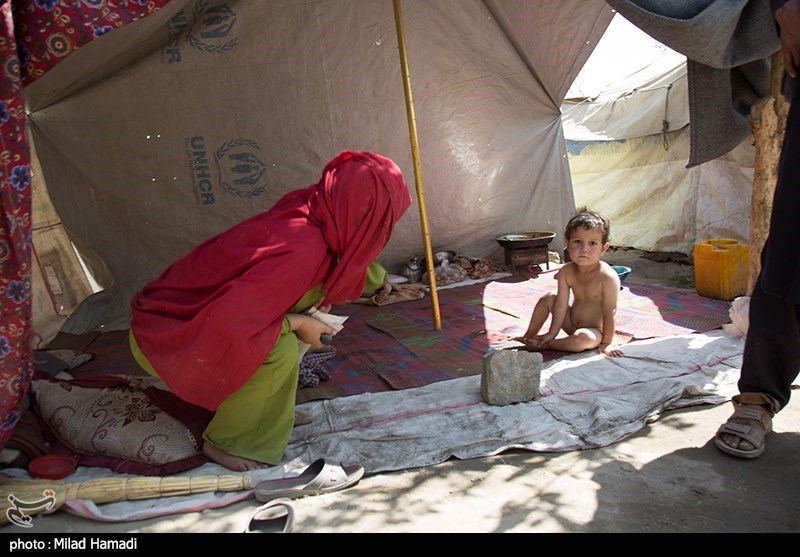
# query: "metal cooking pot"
{"type": "Point", "coordinates": [525, 240]}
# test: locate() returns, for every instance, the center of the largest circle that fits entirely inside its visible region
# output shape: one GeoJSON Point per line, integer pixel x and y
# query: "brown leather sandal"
{"type": "Point", "coordinates": [751, 421]}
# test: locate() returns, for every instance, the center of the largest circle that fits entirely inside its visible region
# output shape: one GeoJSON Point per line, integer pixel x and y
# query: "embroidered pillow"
{"type": "Point", "coordinates": [125, 423]}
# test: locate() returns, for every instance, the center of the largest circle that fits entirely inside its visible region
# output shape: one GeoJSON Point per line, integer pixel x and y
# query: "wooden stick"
{"type": "Point", "coordinates": [768, 123]}
{"type": "Point", "coordinates": [412, 127]}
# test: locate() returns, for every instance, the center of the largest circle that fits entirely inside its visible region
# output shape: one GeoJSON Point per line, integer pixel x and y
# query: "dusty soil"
{"type": "Point", "coordinates": [675, 270]}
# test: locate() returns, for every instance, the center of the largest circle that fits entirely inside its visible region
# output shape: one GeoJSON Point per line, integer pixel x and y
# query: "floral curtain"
{"type": "Point", "coordinates": [35, 36]}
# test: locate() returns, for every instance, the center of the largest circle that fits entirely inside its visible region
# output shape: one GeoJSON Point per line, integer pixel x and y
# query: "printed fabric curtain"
{"type": "Point", "coordinates": [36, 35]}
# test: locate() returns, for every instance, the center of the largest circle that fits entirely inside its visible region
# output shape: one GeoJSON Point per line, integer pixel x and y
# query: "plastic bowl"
{"type": "Point", "coordinates": [622, 271]}
{"type": "Point", "coordinates": [52, 467]}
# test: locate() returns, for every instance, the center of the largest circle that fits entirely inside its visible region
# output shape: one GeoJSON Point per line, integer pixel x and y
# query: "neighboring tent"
{"type": "Point", "coordinates": [628, 146]}
{"type": "Point", "coordinates": [165, 131]}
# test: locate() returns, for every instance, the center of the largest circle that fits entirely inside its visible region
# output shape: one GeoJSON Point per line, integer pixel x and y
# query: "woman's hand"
{"type": "Point", "coordinates": [309, 329]}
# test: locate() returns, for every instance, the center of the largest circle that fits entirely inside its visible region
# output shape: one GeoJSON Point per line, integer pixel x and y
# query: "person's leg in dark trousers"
{"type": "Point", "coordinates": [772, 350]}
{"type": "Point", "coordinates": [770, 365]}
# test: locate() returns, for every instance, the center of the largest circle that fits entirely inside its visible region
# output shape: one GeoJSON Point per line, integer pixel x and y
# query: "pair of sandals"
{"type": "Point", "coordinates": [277, 514]}
{"type": "Point", "coordinates": [275, 517]}
{"type": "Point", "coordinates": [751, 422]}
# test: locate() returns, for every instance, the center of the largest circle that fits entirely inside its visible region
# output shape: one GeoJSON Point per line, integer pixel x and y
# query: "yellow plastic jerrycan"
{"type": "Point", "coordinates": [721, 268]}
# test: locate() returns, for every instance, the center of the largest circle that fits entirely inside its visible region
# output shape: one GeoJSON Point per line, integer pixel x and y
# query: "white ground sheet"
{"type": "Point", "coordinates": [587, 401]}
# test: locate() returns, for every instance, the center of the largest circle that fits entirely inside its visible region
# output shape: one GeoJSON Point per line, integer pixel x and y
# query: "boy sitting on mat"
{"type": "Point", "coordinates": [589, 321]}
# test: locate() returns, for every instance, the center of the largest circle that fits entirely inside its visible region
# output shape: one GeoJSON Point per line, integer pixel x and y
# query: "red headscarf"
{"type": "Point", "coordinates": [209, 321]}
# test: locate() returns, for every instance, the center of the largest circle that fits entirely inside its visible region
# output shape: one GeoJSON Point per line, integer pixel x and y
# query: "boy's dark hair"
{"type": "Point", "coordinates": [588, 220]}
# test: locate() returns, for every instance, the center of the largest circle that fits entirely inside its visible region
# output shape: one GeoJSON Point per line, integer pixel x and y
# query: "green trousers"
{"type": "Point", "coordinates": [257, 420]}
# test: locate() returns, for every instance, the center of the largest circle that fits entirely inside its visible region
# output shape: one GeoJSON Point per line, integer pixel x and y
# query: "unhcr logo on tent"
{"type": "Point", "coordinates": [236, 169]}
{"type": "Point", "coordinates": [207, 29]}
{"type": "Point", "coordinates": [239, 169]}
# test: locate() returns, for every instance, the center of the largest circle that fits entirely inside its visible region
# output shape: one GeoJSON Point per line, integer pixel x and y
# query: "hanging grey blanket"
{"type": "Point", "coordinates": [728, 45]}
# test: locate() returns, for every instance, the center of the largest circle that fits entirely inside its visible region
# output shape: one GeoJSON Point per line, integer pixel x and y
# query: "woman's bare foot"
{"type": "Point", "coordinates": [229, 461]}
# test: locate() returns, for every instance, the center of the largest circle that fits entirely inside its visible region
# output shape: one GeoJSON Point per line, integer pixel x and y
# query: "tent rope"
{"type": "Point", "coordinates": [665, 121]}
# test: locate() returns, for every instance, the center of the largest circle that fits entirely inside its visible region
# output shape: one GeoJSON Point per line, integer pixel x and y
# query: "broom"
{"type": "Point", "coordinates": [20, 499]}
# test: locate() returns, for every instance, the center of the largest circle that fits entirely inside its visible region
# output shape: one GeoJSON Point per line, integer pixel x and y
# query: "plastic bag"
{"type": "Point", "coordinates": [740, 317]}
{"type": "Point", "coordinates": [447, 273]}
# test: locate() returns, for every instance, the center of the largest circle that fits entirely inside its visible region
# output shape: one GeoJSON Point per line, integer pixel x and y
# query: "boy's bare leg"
{"type": "Point", "coordinates": [542, 310]}
{"type": "Point", "coordinates": [229, 461]}
{"type": "Point", "coordinates": [580, 340]}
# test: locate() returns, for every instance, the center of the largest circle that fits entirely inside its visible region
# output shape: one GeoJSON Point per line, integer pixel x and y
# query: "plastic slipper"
{"type": "Point", "coordinates": [318, 478]}
{"type": "Point", "coordinates": [276, 517]}
{"type": "Point", "coordinates": [750, 423]}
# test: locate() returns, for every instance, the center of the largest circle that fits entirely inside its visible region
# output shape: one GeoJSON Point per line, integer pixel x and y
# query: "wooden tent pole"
{"type": "Point", "coordinates": [412, 128]}
{"type": "Point", "coordinates": [768, 123]}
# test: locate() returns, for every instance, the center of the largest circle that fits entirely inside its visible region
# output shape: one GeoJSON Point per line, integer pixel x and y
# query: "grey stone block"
{"type": "Point", "coordinates": [510, 376]}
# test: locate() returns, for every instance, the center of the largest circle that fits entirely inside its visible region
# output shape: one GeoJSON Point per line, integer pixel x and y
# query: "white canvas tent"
{"type": "Point", "coordinates": [168, 130]}
{"type": "Point", "coordinates": [628, 145]}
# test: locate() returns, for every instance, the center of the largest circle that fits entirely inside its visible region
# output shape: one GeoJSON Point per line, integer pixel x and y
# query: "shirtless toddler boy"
{"type": "Point", "coordinates": [589, 322]}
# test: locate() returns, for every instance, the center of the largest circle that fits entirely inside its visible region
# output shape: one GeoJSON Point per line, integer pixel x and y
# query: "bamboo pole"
{"type": "Point", "coordinates": [412, 128]}
{"type": "Point", "coordinates": [768, 123]}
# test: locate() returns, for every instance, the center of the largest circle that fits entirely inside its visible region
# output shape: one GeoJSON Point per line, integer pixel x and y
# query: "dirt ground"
{"type": "Point", "coordinates": [669, 477]}
{"type": "Point", "coordinates": [667, 269]}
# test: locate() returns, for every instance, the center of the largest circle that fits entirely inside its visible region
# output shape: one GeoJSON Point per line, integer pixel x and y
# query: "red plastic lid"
{"type": "Point", "coordinates": [52, 467]}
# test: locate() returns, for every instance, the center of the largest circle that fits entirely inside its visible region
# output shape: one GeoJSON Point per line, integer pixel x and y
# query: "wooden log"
{"type": "Point", "coordinates": [768, 122]}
